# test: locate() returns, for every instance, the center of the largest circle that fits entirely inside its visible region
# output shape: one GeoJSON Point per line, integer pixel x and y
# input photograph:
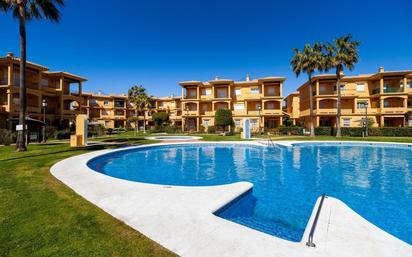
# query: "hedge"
{"type": "Point", "coordinates": [294, 131]}
{"type": "Point", "coordinates": [357, 131]}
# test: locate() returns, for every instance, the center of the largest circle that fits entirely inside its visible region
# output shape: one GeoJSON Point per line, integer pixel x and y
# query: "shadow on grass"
{"type": "Point", "coordinates": [89, 148]}
{"type": "Point", "coordinates": [123, 140]}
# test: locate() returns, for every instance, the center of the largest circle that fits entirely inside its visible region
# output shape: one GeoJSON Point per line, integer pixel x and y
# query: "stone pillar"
{"type": "Point", "coordinates": [198, 124]}
{"type": "Point", "coordinates": [183, 92]}
{"type": "Point", "coordinates": [10, 74]}
{"type": "Point", "coordinates": [316, 87]}
{"type": "Point", "coordinates": [382, 121]}
{"type": "Point", "coordinates": [280, 88]}
{"type": "Point", "coordinates": [381, 86]}
{"type": "Point", "coordinates": [317, 121]}
{"type": "Point", "coordinates": [405, 84]}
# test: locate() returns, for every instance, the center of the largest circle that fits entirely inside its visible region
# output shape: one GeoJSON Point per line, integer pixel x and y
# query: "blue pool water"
{"type": "Point", "coordinates": [375, 181]}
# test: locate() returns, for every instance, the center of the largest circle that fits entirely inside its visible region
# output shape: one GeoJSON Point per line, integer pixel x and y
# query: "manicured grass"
{"type": "Point", "coordinates": [40, 216]}
{"type": "Point", "coordinates": [331, 138]}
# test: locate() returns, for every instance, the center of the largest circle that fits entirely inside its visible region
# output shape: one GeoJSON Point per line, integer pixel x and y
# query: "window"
{"type": "Point", "coordinates": [93, 102]}
{"type": "Point", "coordinates": [237, 123]}
{"type": "Point", "coordinates": [386, 103]}
{"type": "Point", "coordinates": [106, 102]}
{"type": "Point", "coordinates": [16, 100]}
{"type": "Point", "coordinates": [254, 90]}
{"type": "Point", "coordinates": [346, 122]}
{"type": "Point", "coordinates": [237, 91]}
{"type": "Point", "coordinates": [106, 123]}
{"type": "Point", "coordinates": [205, 123]}
{"type": "Point", "coordinates": [361, 105]}
{"type": "Point", "coordinates": [208, 91]}
{"type": "Point", "coordinates": [360, 87]}
{"type": "Point", "coordinates": [270, 105]}
{"type": "Point", "coordinates": [409, 84]}
{"type": "Point", "coordinates": [271, 90]}
{"type": "Point", "coordinates": [253, 122]}
{"type": "Point", "coordinates": [239, 106]}
{"type": "Point", "coordinates": [410, 123]}
{"type": "Point", "coordinates": [44, 82]}
{"type": "Point", "coordinates": [105, 113]}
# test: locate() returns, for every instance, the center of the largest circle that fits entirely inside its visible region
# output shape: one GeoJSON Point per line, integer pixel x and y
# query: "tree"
{"type": "Point", "coordinates": [309, 60]}
{"type": "Point", "coordinates": [223, 118]}
{"type": "Point", "coordinates": [343, 52]}
{"type": "Point", "coordinates": [160, 118]}
{"type": "Point", "coordinates": [26, 10]}
{"type": "Point", "coordinates": [138, 97]}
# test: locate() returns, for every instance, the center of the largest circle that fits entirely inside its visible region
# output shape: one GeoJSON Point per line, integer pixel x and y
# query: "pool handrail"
{"type": "Point", "coordinates": [270, 142]}
{"type": "Point", "coordinates": [310, 242]}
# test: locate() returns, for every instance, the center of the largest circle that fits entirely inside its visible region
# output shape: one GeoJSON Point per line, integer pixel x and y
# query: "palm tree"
{"type": "Point", "coordinates": [309, 60]}
{"type": "Point", "coordinates": [343, 52]}
{"type": "Point", "coordinates": [142, 102]}
{"type": "Point", "coordinates": [26, 10]}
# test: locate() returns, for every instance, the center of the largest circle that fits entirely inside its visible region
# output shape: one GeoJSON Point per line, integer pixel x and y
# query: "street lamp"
{"type": "Point", "coordinates": [366, 118]}
{"type": "Point", "coordinates": [260, 109]}
{"type": "Point", "coordinates": [44, 107]}
{"type": "Point", "coordinates": [187, 118]}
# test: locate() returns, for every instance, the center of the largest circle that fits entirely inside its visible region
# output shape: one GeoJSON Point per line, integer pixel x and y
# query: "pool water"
{"type": "Point", "coordinates": [375, 181]}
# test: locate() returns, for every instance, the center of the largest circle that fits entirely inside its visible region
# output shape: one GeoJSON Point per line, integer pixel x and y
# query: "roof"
{"type": "Point", "coordinates": [391, 73]}
{"type": "Point", "coordinates": [16, 60]}
{"type": "Point", "coordinates": [229, 81]}
{"type": "Point", "coordinates": [66, 75]}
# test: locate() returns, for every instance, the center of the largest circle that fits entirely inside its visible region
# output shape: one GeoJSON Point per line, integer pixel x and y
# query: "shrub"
{"type": "Point", "coordinates": [95, 130]}
{"type": "Point", "coordinates": [51, 132]}
{"type": "Point", "coordinates": [172, 129]}
{"type": "Point", "coordinates": [160, 118]}
{"type": "Point", "coordinates": [323, 131]}
{"type": "Point", "coordinates": [5, 137]}
{"type": "Point", "coordinates": [223, 118]}
{"type": "Point", "coordinates": [211, 129]}
{"type": "Point", "coordinates": [109, 131]}
{"type": "Point", "coordinates": [63, 134]}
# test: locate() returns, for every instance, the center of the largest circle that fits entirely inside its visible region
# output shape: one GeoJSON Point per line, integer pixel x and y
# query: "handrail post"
{"type": "Point", "coordinates": [310, 242]}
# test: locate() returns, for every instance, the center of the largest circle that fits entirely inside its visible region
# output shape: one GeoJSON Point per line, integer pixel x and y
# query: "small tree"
{"type": "Point", "coordinates": [223, 118]}
{"type": "Point", "coordinates": [160, 118]}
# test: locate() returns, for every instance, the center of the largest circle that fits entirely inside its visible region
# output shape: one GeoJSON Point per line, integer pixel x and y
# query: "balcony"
{"type": "Point", "coordinates": [190, 113]}
{"type": "Point", "coordinates": [393, 110]}
{"type": "Point", "coordinates": [332, 111]}
{"type": "Point", "coordinates": [272, 112]}
{"type": "Point", "coordinates": [254, 112]}
{"type": "Point", "coordinates": [239, 112]}
{"type": "Point", "coordinates": [387, 90]}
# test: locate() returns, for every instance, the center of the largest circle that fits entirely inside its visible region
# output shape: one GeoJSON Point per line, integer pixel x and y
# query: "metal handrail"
{"type": "Point", "coordinates": [310, 243]}
{"type": "Point", "coordinates": [270, 142]}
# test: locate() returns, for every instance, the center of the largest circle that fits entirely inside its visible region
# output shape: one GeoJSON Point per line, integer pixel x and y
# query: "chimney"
{"type": "Point", "coordinates": [10, 54]}
{"type": "Point", "coordinates": [172, 95]}
{"type": "Point", "coordinates": [381, 69]}
{"type": "Point", "coordinates": [247, 77]}
{"type": "Point", "coordinates": [99, 92]}
{"type": "Point", "coordinates": [216, 78]}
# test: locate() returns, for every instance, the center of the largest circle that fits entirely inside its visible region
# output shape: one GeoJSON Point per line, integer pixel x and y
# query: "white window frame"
{"type": "Point", "coordinates": [205, 123]}
{"type": "Point", "coordinates": [105, 102]}
{"type": "Point", "coordinates": [239, 106]}
{"type": "Point", "coordinates": [238, 91]}
{"type": "Point", "coordinates": [254, 123]}
{"type": "Point", "coordinates": [346, 122]}
{"type": "Point", "coordinates": [255, 90]}
{"type": "Point", "coordinates": [107, 123]}
{"type": "Point", "coordinates": [360, 87]}
{"type": "Point", "coordinates": [237, 123]}
{"type": "Point", "coordinates": [208, 91]}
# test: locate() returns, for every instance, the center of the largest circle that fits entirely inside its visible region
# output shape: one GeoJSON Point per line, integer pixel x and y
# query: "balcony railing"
{"type": "Point", "coordinates": [392, 90]}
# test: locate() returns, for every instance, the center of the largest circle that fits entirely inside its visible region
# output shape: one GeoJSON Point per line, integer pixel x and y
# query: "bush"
{"type": "Point", "coordinates": [63, 134]}
{"type": "Point", "coordinates": [160, 118]}
{"type": "Point", "coordinates": [211, 129]}
{"type": "Point", "coordinates": [5, 137]}
{"type": "Point", "coordinates": [95, 130]}
{"type": "Point", "coordinates": [172, 129]}
{"type": "Point", "coordinates": [51, 132]}
{"type": "Point", "coordinates": [323, 131]}
{"type": "Point", "coordinates": [223, 118]}
{"type": "Point", "coordinates": [109, 131]}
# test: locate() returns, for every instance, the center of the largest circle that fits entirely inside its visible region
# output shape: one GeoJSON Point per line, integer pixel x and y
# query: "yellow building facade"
{"type": "Point", "coordinates": [61, 91]}
{"type": "Point", "coordinates": [260, 100]}
{"type": "Point", "coordinates": [385, 97]}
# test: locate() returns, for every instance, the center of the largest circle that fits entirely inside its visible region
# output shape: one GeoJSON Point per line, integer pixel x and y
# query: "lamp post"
{"type": "Point", "coordinates": [366, 119]}
{"type": "Point", "coordinates": [187, 118]}
{"type": "Point", "coordinates": [260, 109]}
{"type": "Point", "coordinates": [44, 107]}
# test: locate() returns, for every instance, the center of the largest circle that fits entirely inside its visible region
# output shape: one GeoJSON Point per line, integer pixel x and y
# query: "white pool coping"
{"type": "Point", "coordinates": [173, 138]}
{"type": "Point", "coordinates": [182, 220]}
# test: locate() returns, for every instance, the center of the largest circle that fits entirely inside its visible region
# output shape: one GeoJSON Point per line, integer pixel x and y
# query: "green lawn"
{"type": "Point", "coordinates": [40, 216]}
{"type": "Point", "coordinates": [331, 138]}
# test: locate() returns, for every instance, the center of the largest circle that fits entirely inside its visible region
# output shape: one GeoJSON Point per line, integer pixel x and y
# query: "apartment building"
{"type": "Point", "coordinates": [292, 107]}
{"type": "Point", "coordinates": [172, 105]}
{"type": "Point", "coordinates": [260, 100]}
{"type": "Point", "coordinates": [61, 91]}
{"type": "Point", "coordinates": [386, 97]}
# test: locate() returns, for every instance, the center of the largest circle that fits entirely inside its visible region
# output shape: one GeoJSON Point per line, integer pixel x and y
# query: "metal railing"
{"type": "Point", "coordinates": [310, 243]}
{"type": "Point", "coordinates": [270, 142]}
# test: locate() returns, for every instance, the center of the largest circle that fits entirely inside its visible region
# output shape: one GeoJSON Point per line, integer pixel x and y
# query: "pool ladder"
{"type": "Point", "coordinates": [270, 142]}
{"type": "Point", "coordinates": [310, 242]}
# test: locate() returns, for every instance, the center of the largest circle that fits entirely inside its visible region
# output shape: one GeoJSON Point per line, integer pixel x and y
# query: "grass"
{"type": "Point", "coordinates": [40, 216]}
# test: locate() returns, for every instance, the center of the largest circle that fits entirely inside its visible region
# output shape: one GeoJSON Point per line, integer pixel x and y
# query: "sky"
{"type": "Point", "coordinates": [156, 44]}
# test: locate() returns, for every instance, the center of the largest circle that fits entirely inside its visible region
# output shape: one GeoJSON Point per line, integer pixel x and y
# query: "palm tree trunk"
{"type": "Point", "coordinates": [312, 127]}
{"type": "Point", "coordinates": [136, 123]}
{"type": "Point", "coordinates": [21, 135]}
{"type": "Point", "coordinates": [339, 106]}
{"type": "Point", "coordinates": [144, 121]}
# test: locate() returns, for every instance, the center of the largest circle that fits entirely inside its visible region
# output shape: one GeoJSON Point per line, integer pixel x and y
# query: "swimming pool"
{"type": "Point", "coordinates": [173, 138]}
{"type": "Point", "coordinates": [374, 180]}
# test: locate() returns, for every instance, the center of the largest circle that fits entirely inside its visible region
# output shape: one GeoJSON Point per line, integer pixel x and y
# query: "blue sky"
{"type": "Point", "coordinates": [159, 43]}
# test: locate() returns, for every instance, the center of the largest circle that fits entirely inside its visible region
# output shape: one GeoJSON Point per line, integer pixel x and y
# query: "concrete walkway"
{"type": "Point", "coordinates": [182, 220]}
